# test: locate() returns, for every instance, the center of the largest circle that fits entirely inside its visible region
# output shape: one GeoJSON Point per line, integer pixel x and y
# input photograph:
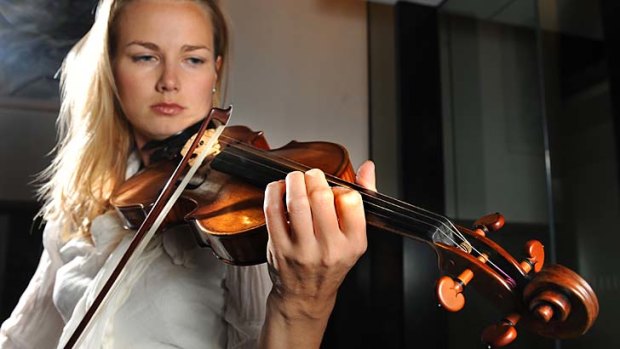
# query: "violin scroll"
{"type": "Point", "coordinates": [551, 301]}
{"type": "Point", "coordinates": [561, 304]}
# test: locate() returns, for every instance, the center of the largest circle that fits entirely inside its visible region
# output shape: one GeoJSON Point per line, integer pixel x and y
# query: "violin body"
{"type": "Point", "coordinates": [224, 209]}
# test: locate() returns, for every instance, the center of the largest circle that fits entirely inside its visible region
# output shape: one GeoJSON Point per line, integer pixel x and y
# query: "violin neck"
{"type": "Point", "coordinates": [382, 211]}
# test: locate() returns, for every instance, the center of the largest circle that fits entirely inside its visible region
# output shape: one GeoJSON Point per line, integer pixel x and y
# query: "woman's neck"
{"type": "Point", "coordinates": [144, 154]}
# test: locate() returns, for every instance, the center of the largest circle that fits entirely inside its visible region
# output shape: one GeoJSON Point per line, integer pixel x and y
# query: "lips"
{"type": "Point", "coordinates": [170, 109]}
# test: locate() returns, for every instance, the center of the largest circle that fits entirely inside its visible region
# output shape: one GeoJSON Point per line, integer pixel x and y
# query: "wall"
{"type": "Point", "coordinates": [299, 71]}
{"type": "Point", "coordinates": [29, 134]}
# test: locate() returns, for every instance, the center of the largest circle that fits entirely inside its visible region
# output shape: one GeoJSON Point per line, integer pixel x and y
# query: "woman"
{"type": "Point", "coordinates": [147, 70]}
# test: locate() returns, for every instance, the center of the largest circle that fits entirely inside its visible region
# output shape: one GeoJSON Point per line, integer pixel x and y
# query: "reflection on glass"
{"type": "Point", "coordinates": [34, 38]}
{"type": "Point", "coordinates": [529, 132]}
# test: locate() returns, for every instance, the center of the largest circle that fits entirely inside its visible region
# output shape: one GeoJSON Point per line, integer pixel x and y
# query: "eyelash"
{"type": "Point", "coordinates": [196, 60]}
{"type": "Point", "coordinates": [150, 58]}
{"type": "Point", "coordinates": [142, 58]}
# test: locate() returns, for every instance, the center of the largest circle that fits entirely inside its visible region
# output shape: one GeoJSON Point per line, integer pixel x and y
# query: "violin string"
{"type": "Point", "coordinates": [424, 213]}
{"type": "Point", "coordinates": [298, 166]}
{"type": "Point", "coordinates": [235, 144]}
{"type": "Point", "coordinates": [442, 220]}
{"type": "Point", "coordinates": [447, 236]}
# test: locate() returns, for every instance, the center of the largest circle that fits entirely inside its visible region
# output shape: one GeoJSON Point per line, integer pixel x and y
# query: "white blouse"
{"type": "Point", "coordinates": [177, 295]}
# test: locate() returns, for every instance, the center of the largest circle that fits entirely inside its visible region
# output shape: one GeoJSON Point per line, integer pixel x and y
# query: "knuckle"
{"type": "Point", "coordinates": [330, 259]}
{"type": "Point", "coordinates": [362, 246]}
{"type": "Point", "coordinates": [279, 255]}
{"type": "Point", "coordinates": [271, 209]}
{"type": "Point", "coordinates": [321, 195]}
{"type": "Point", "coordinates": [297, 204]}
{"type": "Point", "coordinates": [301, 259]}
{"type": "Point", "coordinates": [350, 198]}
{"type": "Point", "coordinates": [272, 202]}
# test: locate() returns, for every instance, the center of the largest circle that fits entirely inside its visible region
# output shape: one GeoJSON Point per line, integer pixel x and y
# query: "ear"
{"type": "Point", "coordinates": [218, 65]}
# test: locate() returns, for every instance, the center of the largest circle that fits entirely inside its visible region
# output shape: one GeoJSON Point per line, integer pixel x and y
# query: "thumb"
{"type": "Point", "coordinates": [366, 175]}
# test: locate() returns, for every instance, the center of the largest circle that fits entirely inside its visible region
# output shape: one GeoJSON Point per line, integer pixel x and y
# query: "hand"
{"type": "Point", "coordinates": [316, 234]}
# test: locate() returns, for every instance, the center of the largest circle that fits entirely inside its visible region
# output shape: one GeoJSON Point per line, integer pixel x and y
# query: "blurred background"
{"type": "Point", "coordinates": [466, 106]}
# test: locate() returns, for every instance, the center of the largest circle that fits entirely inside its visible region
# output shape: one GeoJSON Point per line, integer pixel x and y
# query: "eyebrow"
{"type": "Point", "coordinates": [188, 48]}
{"type": "Point", "coordinates": [154, 47]}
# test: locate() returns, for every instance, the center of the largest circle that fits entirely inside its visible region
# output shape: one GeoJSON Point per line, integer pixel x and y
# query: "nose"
{"type": "Point", "coordinates": [168, 80]}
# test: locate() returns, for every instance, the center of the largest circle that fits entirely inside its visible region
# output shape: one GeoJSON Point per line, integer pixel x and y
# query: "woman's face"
{"type": "Point", "coordinates": [164, 66]}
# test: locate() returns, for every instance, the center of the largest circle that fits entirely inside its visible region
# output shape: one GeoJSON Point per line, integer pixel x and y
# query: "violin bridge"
{"type": "Point", "coordinates": [216, 149]}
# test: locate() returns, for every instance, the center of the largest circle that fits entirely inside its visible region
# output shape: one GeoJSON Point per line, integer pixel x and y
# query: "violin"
{"type": "Point", "coordinates": [222, 201]}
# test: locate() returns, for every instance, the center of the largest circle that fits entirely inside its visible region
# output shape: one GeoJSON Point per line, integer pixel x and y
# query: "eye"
{"type": "Point", "coordinates": [143, 58]}
{"type": "Point", "coordinates": [195, 60]}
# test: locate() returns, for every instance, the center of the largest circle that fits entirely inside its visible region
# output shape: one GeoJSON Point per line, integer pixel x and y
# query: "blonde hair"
{"type": "Point", "coordinates": [94, 137]}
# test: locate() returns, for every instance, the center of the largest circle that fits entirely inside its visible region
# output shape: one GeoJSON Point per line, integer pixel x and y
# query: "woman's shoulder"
{"type": "Point", "coordinates": [106, 232]}
{"type": "Point", "coordinates": [52, 241]}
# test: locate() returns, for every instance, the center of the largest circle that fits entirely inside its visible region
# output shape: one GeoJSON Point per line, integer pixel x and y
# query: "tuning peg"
{"type": "Point", "coordinates": [501, 334]}
{"type": "Point", "coordinates": [490, 223]}
{"type": "Point", "coordinates": [534, 256]}
{"type": "Point", "coordinates": [450, 290]}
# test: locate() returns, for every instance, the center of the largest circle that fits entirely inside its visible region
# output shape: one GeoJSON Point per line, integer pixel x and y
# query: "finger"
{"type": "Point", "coordinates": [321, 200]}
{"type": "Point", "coordinates": [350, 209]}
{"type": "Point", "coordinates": [298, 208]}
{"type": "Point", "coordinates": [366, 175]}
{"type": "Point", "coordinates": [275, 214]}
